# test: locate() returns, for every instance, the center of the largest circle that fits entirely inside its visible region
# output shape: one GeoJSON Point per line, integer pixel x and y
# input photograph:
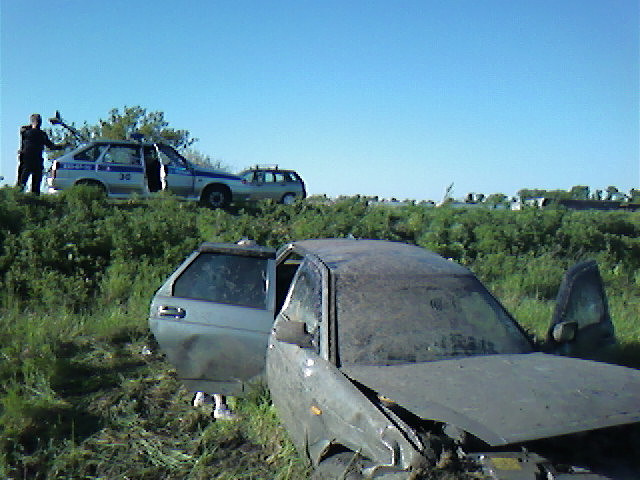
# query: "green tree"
{"type": "Point", "coordinates": [120, 125]}
{"type": "Point", "coordinates": [497, 199]}
{"type": "Point", "coordinates": [198, 158]}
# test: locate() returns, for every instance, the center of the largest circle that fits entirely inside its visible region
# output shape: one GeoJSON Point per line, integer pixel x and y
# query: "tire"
{"type": "Point", "coordinates": [288, 198]}
{"type": "Point", "coordinates": [92, 183]}
{"type": "Point", "coordinates": [216, 196]}
{"type": "Point", "coordinates": [341, 466]}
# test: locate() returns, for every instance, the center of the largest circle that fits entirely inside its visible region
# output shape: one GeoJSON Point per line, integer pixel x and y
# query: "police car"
{"type": "Point", "coordinates": [123, 168]}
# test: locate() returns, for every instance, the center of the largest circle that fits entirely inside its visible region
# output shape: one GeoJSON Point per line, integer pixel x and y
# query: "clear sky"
{"type": "Point", "coordinates": [395, 98]}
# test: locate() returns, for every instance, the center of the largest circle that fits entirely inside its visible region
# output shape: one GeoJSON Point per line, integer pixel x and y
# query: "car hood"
{"type": "Point", "coordinates": [505, 399]}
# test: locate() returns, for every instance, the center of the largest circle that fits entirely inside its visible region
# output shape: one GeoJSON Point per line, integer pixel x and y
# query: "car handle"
{"type": "Point", "coordinates": [170, 311]}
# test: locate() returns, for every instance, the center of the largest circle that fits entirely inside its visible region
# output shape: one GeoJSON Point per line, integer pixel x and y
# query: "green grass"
{"type": "Point", "coordinates": [79, 400]}
{"type": "Point", "coordinates": [96, 407]}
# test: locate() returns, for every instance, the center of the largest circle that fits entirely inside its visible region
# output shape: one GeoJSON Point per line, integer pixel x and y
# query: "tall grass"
{"type": "Point", "coordinates": [79, 396]}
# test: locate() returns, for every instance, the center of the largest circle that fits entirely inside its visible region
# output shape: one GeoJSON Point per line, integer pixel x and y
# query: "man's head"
{"type": "Point", "coordinates": [36, 120]}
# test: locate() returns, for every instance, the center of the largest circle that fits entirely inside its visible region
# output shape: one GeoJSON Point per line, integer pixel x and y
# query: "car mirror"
{"type": "Point", "coordinates": [564, 332]}
{"type": "Point", "coordinates": [294, 333]}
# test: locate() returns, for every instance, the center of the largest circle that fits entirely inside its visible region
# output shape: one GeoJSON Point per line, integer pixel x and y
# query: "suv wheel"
{"type": "Point", "coordinates": [216, 196]}
{"type": "Point", "coordinates": [288, 198]}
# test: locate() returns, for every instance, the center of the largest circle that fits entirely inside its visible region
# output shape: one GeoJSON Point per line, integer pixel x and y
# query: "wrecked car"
{"type": "Point", "coordinates": [385, 360]}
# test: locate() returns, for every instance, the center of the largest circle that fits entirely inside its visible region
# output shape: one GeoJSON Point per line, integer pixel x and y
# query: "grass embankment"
{"type": "Point", "coordinates": [79, 396]}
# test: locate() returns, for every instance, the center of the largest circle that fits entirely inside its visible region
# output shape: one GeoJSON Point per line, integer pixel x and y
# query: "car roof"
{"type": "Point", "coordinates": [382, 257]}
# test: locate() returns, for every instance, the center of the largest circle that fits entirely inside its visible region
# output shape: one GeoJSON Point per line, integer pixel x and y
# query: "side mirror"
{"type": "Point", "coordinates": [581, 325]}
{"type": "Point", "coordinates": [294, 333]}
{"type": "Point", "coordinates": [564, 332]}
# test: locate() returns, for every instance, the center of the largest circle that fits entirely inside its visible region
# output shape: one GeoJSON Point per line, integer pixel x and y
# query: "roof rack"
{"type": "Point", "coordinates": [273, 166]}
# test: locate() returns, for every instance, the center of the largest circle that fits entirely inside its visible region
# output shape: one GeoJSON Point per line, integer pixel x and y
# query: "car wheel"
{"type": "Point", "coordinates": [92, 183]}
{"type": "Point", "coordinates": [216, 196]}
{"type": "Point", "coordinates": [288, 198]}
{"type": "Point", "coordinates": [341, 466]}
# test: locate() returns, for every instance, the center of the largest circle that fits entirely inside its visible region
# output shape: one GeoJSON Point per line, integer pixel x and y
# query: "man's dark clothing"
{"type": "Point", "coordinates": [30, 161]}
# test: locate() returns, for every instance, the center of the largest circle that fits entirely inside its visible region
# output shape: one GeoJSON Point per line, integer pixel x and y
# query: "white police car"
{"type": "Point", "coordinates": [123, 168]}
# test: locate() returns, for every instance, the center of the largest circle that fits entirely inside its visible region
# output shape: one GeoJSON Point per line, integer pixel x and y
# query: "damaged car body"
{"type": "Point", "coordinates": [385, 360]}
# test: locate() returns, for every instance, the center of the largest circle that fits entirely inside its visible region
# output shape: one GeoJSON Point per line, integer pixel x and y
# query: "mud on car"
{"type": "Point", "coordinates": [123, 168]}
{"type": "Point", "coordinates": [385, 360]}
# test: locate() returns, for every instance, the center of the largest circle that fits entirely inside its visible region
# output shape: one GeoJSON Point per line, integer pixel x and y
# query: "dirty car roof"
{"type": "Point", "coordinates": [351, 256]}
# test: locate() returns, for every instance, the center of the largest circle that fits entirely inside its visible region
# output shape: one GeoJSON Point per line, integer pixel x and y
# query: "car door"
{"type": "Point", "coordinates": [120, 168]}
{"type": "Point", "coordinates": [292, 369]}
{"type": "Point", "coordinates": [177, 176]}
{"type": "Point", "coordinates": [581, 305]}
{"type": "Point", "coordinates": [213, 315]}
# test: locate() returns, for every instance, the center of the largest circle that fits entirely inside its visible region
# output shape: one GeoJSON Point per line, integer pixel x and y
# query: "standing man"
{"type": "Point", "coordinates": [30, 161]}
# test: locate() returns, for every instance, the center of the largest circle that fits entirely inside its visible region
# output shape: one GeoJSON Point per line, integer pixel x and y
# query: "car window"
{"type": "Point", "coordinates": [278, 177]}
{"type": "Point", "coordinates": [91, 154]}
{"type": "Point", "coordinates": [229, 279]}
{"type": "Point", "coordinates": [122, 154]}
{"type": "Point", "coordinates": [247, 176]}
{"type": "Point", "coordinates": [385, 320]}
{"type": "Point", "coordinates": [168, 156]}
{"type": "Point", "coordinates": [305, 297]}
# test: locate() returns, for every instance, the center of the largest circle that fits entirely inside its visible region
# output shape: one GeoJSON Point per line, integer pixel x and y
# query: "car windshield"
{"type": "Point", "coordinates": [395, 319]}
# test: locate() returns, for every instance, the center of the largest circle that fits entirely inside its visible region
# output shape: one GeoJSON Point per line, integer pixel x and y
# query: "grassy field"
{"type": "Point", "coordinates": [84, 392]}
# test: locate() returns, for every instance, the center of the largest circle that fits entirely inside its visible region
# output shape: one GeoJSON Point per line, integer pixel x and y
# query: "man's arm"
{"type": "Point", "coordinates": [52, 146]}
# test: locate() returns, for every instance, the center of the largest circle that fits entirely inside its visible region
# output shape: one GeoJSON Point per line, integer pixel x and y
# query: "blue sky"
{"type": "Point", "coordinates": [390, 98]}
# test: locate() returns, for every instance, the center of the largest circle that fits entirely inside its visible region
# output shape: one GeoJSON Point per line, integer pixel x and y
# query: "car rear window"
{"type": "Point", "coordinates": [229, 279]}
{"type": "Point", "coordinates": [90, 154]}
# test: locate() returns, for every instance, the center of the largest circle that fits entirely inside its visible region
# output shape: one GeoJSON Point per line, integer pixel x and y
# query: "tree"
{"type": "Point", "coordinates": [497, 199]}
{"type": "Point", "coordinates": [198, 158]}
{"type": "Point", "coordinates": [579, 192]}
{"type": "Point", "coordinates": [121, 125]}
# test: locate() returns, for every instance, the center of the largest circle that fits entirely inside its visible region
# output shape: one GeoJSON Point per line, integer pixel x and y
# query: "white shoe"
{"type": "Point", "coordinates": [224, 414]}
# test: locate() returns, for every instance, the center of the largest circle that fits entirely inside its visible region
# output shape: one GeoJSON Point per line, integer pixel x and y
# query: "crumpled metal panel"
{"type": "Point", "coordinates": [504, 399]}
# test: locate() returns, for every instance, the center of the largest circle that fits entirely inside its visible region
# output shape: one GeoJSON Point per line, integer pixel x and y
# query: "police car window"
{"type": "Point", "coordinates": [228, 279]}
{"type": "Point", "coordinates": [168, 156]}
{"type": "Point", "coordinates": [91, 154]}
{"type": "Point", "coordinates": [122, 155]}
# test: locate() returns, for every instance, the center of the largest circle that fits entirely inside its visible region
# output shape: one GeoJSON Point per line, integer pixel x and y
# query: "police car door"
{"type": "Point", "coordinates": [177, 175]}
{"type": "Point", "coordinates": [121, 170]}
{"type": "Point", "coordinates": [213, 316]}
